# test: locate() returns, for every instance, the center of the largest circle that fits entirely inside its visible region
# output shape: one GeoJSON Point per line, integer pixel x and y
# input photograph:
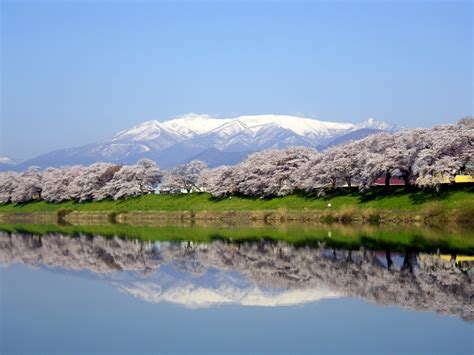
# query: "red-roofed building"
{"type": "Point", "coordinates": [394, 181]}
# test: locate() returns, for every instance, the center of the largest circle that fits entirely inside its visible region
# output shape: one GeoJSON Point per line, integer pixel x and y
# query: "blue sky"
{"type": "Point", "coordinates": [74, 72]}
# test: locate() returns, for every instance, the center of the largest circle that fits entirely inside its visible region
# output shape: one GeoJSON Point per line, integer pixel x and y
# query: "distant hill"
{"type": "Point", "coordinates": [214, 157]}
{"type": "Point", "coordinates": [353, 136]}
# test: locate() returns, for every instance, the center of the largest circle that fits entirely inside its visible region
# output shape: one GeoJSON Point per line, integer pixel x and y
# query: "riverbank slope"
{"type": "Point", "coordinates": [394, 204]}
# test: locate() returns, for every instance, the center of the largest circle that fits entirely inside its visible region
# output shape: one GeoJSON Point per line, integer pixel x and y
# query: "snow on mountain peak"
{"type": "Point", "coordinates": [7, 161]}
{"type": "Point", "coordinates": [375, 124]}
{"type": "Point", "coordinates": [299, 125]}
{"type": "Point", "coordinates": [230, 127]}
{"type": "Point", "coordinates": [145, 131]}
{"type": "Point", "coordinates": [192, 124]}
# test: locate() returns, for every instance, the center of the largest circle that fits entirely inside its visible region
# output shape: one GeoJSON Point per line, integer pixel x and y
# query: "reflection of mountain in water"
{"type": "Point", "coordinates": [258, 273]}
{"type": "Point", "coordinates": [230, 290]}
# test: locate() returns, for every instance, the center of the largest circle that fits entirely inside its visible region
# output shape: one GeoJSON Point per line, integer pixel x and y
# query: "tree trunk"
{"type": "Point", "coordinates": [388, 176]}
{"type": "Point", "coordinates": [406, 179]}
{"type": "Point", "coordinates": [348, 180]}
{"type": "Point", "coordinates": [389, 259]}
{"type": "Point", "coordinates": [406, 176]}
{"type": "Point", "coordinates": [409, 261]}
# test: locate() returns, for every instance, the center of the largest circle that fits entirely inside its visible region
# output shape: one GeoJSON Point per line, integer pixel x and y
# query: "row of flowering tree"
{"type": "Point", "coordinates": [424, 156]}
{"type": "Point", "coordinates": [80, 183]}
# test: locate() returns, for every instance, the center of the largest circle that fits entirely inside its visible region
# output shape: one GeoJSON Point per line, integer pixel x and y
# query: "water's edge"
{"type": "Point", "coordinates": [364, 216]}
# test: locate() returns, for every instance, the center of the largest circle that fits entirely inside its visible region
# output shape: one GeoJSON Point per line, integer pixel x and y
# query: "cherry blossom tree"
{"type": "Point", "coordinates": [93, 178]}
{"type": "Point", "coordinates": [29, 186]}
{"type": "Point", "coordinates": [131, 180]}
{"type": "Point", "coordinates": [219, 181]}
{"type": "Point", "coordinates": [448, 150]}
{"type": "Point", "coordinates": [186, 176]}
{"type": "Point", "coordinates": [337, 167]}
{"type": "Point", "coordinates": [56, 183]}
{"type": "Point", "coordinates": [267, 173]}
{"type": "Point", "coordinates": [9, 181]}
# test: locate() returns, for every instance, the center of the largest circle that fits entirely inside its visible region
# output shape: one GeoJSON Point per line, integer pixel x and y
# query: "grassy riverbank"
{"type": "Point", "coordinates": [450, 203]}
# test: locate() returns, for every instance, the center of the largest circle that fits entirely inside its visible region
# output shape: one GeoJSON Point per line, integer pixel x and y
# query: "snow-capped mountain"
{"type": "Point", "coordinates": [372, 123]}
{"type": "Point", "coordinates": [191, 124]}
{"type": "Point", "coordinates": [7, 161]}
{"type": "Point", "coordinates": [184, 138]}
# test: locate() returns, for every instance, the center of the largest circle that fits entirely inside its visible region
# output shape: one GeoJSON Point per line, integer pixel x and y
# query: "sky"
{"type": "Point", "coordinates": [74, 72]}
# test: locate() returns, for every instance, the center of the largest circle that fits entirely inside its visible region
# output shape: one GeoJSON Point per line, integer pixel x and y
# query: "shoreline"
{"type": "Point", "coordinates": [454, 204]}
{"type": "Point", "coordinates": [445, 239]}
{"type": "Point", "coordinates": [429, 216]}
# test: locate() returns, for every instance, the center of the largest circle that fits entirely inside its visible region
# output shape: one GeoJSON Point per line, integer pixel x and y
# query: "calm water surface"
{"type": "Point", "coordinates": [92, 295]}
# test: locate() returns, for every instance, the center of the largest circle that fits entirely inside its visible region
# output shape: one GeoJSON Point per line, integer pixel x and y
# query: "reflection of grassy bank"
{"type": "Point", "coordinates": [350, 237]}
{"type": "Point", "coordinates": [395, 204]}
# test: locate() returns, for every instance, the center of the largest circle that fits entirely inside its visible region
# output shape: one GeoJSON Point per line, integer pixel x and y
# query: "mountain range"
{"type": "Point", "coordinates": [7, 163]}
{"type": "Point", "coordinates": [217, 141]}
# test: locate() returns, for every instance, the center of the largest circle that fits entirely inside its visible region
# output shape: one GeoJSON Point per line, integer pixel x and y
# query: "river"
{"type": "Point", "coordinates": [89, 293]}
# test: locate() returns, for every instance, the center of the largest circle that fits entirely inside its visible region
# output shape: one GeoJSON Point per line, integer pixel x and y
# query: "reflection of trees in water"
{"type": "Point", "coordinates": [408, 279]}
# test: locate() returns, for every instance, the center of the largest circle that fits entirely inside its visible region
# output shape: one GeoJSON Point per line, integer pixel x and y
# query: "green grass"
{"type": "Point", "coordinates": [379, 198]}
{"type": "Point", "coordinates": [458, 240]}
